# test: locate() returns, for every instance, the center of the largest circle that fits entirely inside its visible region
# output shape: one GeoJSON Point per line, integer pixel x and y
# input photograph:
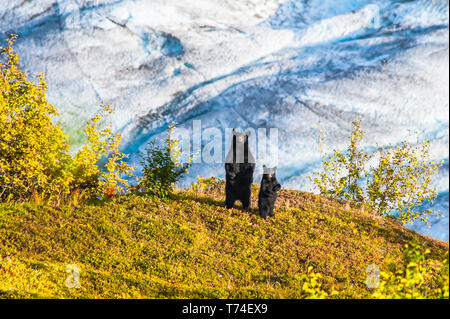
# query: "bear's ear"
{"type": "Point", "coordinates": [233, 131]}
{"type": "Point", "coordinates": [264, 166]}
{"type": "Point", "coordinates": [248, 133]}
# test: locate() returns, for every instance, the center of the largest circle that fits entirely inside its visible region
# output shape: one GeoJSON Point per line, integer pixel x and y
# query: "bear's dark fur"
{"type": "Point", "coordinates": [239, 169]}
{"type": "Point", "coordinates": [268, 192]}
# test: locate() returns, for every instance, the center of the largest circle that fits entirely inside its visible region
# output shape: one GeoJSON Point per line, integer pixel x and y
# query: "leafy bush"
{"type": "Point", "coordinates": [35, 158]}
{"type": "Point", "coordinates": [101, 142]}
{"type": "Point", "coordinates": [400, 182]}
{"type": "Point", "coordinates": [418, 277]}
{"type": "Point", "coordinates": [34, 152]}
{"type": "Point", "coordinates": [162, 166]}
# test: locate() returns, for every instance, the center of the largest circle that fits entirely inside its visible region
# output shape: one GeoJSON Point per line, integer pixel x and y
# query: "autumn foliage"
{"type": "Point", "coordinates": [400, 182]}
{"type": "Point", "coordinates": [35, 157]}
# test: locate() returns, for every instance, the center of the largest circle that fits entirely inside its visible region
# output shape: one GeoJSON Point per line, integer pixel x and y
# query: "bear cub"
{"type": "Point", "coordinates": [239, 169]}
{"type": "Point", "coordinates": [268, 192]}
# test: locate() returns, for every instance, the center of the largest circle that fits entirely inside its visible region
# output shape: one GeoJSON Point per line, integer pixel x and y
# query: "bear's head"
{"type": "Point", "coordinates": [239, 149]}
{"type": "Point", "coordinates": [241, 138]}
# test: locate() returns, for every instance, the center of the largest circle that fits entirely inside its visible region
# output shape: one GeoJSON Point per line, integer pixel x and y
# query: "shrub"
{"type": "Point", "coordinates": [400, 182]}
{"type": "Point", "coordinates": [418, 277]}
{"type": "Point", "coordinates": [101, 142]}
{"type": "Point", "coordinates": [35, 158]}
{"type": "Point", "coordinates": [34, 152]}
{"type": "Point", "coordinates": [162, 166]}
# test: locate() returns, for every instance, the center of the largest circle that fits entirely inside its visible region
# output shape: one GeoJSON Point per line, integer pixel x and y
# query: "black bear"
{"type": "Point", "coordinates": [268, 192]}
{"type": "Point", "coordinates": [239, 168]}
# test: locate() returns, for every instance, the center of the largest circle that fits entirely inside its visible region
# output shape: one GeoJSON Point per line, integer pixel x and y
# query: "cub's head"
{"type": "Point", "coordinates": [241, 138]}
{"type": "Point", "coordinates": [269, 172]}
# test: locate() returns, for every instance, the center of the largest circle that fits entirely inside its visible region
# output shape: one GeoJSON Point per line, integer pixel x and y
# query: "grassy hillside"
{"type": "Point", "coordinates": [190, 245]}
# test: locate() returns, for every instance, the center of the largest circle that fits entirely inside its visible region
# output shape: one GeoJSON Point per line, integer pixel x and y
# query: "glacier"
{"type": "Point", "coordinates": [296, 65]}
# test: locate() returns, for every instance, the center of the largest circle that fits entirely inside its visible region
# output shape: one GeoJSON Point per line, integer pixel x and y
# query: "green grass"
{"type": "Point", "coordinates": [191, 246]}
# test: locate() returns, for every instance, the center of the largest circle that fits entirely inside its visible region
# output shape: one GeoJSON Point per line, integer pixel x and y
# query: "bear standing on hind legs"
{"type": "Point", "coordinates": [268, 192]}
{"type": "Point", "coordinates": [239, 169]}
